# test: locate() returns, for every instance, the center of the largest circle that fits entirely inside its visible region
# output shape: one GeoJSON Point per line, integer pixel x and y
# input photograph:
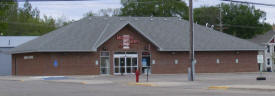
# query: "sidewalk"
{"type": "Point", "coordinates": [161, 84]}
{"type": "Point", "coordinates": [244, 87]}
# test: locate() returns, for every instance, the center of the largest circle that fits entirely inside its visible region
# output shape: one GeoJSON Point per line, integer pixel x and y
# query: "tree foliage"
{"type": "Point", "coordinates": [23, 21]}
{"type": "Point", "coordinates": [206, 14]}
{"type": "Point", "coordinates": [243, 21]}
{"type": "Point", "coordinates": [157, 8]}
{"type": "Point", "coordinates": [104, 12]}
{"type": "Point", "coordinates": [7, 12]}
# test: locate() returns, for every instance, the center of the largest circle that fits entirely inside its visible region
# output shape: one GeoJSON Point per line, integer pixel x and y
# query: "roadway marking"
{"type": "Point", "coordinates": [218, 87]}
{"type": "Point", "coordinates": [142, 84]}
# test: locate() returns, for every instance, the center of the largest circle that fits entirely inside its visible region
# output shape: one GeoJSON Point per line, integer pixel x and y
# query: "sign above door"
{"type": "Point", "coordinates": [127, 40]}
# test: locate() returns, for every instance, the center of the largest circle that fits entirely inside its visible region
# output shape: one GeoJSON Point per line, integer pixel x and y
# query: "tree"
{"type": "Point", "coordinates": [239, 20]}
{"type": "Point", "coordinates": [157, 8]}
{"type": "Point", "coordinates": [104, 12]}
{"type": "Point", "coordinates": [90, 13]}
{"type": "Point", "coordinates": [108, 12]}
{"type": "Point", "coordinates": [8, 10]}
{"type": "Point", "coordinates": [26, 21]}
{"type": "Point", "coordinates": [206, 14]}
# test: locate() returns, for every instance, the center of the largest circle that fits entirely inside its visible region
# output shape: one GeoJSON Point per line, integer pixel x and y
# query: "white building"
{"type": "Point", "coordinates": [267, 40]}
{"type": "Point", "coordinates": [6, 43]}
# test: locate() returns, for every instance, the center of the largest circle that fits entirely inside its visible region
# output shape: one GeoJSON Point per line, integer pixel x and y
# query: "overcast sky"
{"type": "Point", "coordinates": [72, 9]}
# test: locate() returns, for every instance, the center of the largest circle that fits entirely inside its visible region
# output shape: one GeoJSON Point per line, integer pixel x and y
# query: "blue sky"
{"type": "Point", "coordinates": [71, 9]}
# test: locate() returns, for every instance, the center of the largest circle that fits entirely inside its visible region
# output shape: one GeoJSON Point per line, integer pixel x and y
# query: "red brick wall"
{"type": "Point", "coordinates": [84, 63]}
{"type": "Point", "coordinates": [112, 44]}
{"type": "Point", "coordinates": [68, 64]}
{"type": "Point", "coordinates": [206, 62]}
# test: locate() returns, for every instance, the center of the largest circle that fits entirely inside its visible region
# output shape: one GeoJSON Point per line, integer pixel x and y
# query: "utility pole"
{"type": "Point", "coordinates": [191, 29]}
{"type": "Point", "coordinates": [221, 29]}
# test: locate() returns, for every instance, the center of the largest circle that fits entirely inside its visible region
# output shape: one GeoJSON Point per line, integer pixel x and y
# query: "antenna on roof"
{"type": "Point", "coordinates": [179, 18]}
{"type": "Point", "coordinates": [212, 26]}
{"type": "Point", "coordinates": [151, 18]}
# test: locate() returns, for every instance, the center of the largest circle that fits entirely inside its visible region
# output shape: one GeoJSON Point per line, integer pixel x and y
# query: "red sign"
{"type": "Point", "coordinates": [126, 41]}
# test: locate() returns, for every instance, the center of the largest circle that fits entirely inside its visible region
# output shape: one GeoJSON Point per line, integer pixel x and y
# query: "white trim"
{"type": "Point", "coordinates": [108, 67]}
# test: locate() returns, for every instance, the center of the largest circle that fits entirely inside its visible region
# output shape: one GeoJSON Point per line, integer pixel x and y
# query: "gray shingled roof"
{"type": "Point", "coordinates": [263, 38]}
{"type": "Point", "coordinates": [167, 33]}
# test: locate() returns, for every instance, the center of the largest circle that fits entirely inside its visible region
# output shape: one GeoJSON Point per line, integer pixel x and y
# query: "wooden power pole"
{"type": "Point", "coordinates": [191, 29]}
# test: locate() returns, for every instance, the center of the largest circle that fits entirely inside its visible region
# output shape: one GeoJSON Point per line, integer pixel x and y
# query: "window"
{"type": "Point", "coordinates": [268, 69]}
{"type": "Point", "coordinates": [104, 63]}
{"type": "Point", "coordinates": [237, 61]}
{"type": "Point", "coordinates": [104, 54]}
{"type": "Point", "coordinates": [28, 57]}
{"type": "Point", "coordinates": [268, 48]}
{"type": "Point", "coordinates": [176, 61]}
{"type": "Point", "coordinates": [268, 61]}
{"type": "Point", "coordinates": [218, 61]}
{"type": "Point", "coordinates": [153, 61]}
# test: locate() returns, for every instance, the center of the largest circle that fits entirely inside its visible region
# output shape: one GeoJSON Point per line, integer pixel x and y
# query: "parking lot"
{"type": "Point", "coordinates": [206, 84]}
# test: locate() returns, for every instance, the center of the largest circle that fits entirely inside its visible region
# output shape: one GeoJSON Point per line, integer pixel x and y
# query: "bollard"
{"type": "Point", "coordinates": [137, 75]}
{"type": "Point", "coordinates": [189, 74]}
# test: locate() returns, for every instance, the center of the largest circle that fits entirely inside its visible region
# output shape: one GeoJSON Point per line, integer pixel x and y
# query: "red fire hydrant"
{"type": "Point", "coordinates": [137, 75]}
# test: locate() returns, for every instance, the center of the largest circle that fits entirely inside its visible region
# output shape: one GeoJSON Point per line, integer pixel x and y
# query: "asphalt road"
{"type": "Point", "coordinates": [120, 86]}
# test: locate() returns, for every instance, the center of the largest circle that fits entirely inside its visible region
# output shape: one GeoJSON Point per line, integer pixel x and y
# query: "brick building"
{"type": "Point", "coordinates": [120, 45]}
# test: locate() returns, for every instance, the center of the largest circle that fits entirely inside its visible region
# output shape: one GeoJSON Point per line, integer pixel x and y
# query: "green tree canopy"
{"type": "Point", "coordinates": [157, 8]}
{"type": "Point", "coordinates": [23, 21]}
{"type": "Point", "coordinates": [8, 11]}
{"type": "Point", "coordinates": [243, 21]}
{"type": "Point", "coordinates": [104, 12]}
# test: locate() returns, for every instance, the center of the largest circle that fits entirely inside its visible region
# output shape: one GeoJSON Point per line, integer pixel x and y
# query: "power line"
{"type": "Point", "coordinates": [32, 24]}
{"type": "Point", "coordinates": [240, 26]}
{"type": "Point", "coordinates": [246, 2]}
{"type": "Point", "coordinates": [149, 2]}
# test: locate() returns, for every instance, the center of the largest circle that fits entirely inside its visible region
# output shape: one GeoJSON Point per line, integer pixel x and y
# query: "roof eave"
{"type": "Point", "coordinates": [213, 50]}
{"type": "Point", "coordinates": [51, 51]}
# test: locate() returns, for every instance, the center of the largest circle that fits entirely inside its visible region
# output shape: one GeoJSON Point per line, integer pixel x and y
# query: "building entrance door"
{"type": "Point", "coordinates": [125, 63]}
{"type": "Point", "coordinates": [104, 63]}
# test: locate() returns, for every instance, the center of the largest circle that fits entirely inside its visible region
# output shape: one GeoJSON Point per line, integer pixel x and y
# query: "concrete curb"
{"type": "Point", "coordinates": [142, 84]}
{"type": "Point", "coordinates": [85, 82]}
{"type": "Point", "coordinates": [159, 84]}
{"type": "Point", "coordinates": [243, 87]}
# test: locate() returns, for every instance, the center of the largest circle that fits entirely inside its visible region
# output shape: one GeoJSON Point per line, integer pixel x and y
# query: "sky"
{"type": "Point", "coordinates": [75, 10]}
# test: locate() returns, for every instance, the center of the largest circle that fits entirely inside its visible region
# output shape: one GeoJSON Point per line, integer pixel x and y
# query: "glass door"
{"type": "Point", "coordinates": [104, 63]}
{"type": "Point", "coordinates": [125, 64]}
